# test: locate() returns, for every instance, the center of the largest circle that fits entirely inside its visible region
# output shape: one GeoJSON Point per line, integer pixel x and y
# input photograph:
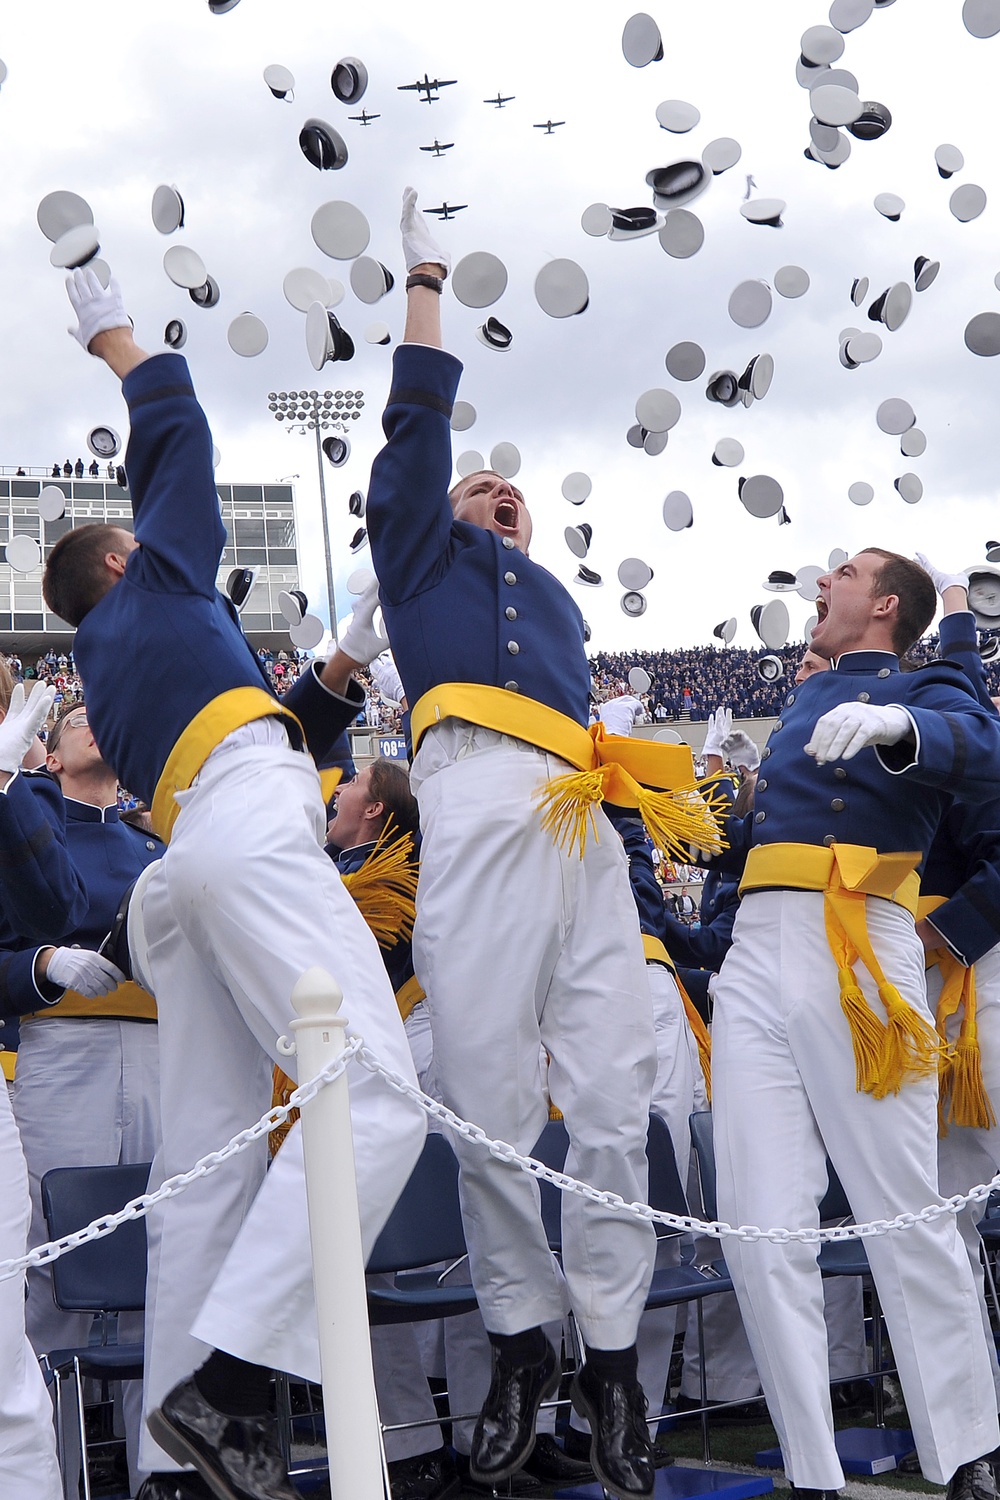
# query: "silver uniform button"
{"type": "Point", "coordinates": [840, 773]}
{"type": "Point", "coordinates": [150, 844]}
{"type": "Point", "coordinates": [765, 753]}
{"type": "Point", "coordinates": [510, 612]}
{"type": "Point", "coordinates": [864, 697]}
{"type": "Point", "coordinates": [508, 543]}
{"type": "Point", "coordinates": [884, 672]}
{"type": "Point", "coordinates": [831, 838]}
{"type": "Point", "coordinates": [838, 804]}
{"type": "Point", "coordinates": [759, 817]}
{"type": "Point", "coordinates": [777, 725]}
{"type": "Point", "coordinates": [512, 686]}
{"type": "Point", "coordinates": [513, 647]}
{"type": "Point", "coordinates": [789, 700]}
{"type": "Point", "coordinates": [762, 786]}
{"type": "Point", "coordinates": [510, 578]}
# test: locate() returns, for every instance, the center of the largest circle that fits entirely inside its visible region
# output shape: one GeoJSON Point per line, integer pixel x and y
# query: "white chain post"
{"type": "Point", "coordinates": [349, 1407]}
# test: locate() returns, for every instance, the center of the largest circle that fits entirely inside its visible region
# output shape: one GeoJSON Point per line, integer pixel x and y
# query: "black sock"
{"type": "Point", "coordinates": [527, 1348]}
{"type": "Point", "coordinates": [614, 1364]}
{"type": "Point", "coordinates": [232, 1386]}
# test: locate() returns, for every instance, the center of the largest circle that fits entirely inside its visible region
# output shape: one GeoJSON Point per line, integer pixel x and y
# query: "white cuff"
{"type": "Point", "coordinates": [900, 770]}
{"type": "Point", "coordinates": [34, 980]}
{"type": "Point", "coordinates": [13, 777]}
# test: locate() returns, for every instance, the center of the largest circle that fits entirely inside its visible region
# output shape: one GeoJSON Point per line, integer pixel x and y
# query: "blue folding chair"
{"type": "Point", "coordinates": [104, 1277]}
{"type": "Point", "coordinates": [424, 1229]}
{"type": "Point", "coordinates": [671, 1285]}
{"type": "Point", "coordinates": [836, 1257]}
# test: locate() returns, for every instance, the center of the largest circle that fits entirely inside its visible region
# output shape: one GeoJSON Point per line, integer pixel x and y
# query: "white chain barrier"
{"type": "Point", "coordinates": [137, 1208]}
{"type": "Point", "coordinates": [503, 1152]}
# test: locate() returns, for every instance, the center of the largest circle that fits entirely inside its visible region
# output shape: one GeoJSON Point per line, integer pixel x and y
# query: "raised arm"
{"type": "Point", "coordinates": [169, 461]}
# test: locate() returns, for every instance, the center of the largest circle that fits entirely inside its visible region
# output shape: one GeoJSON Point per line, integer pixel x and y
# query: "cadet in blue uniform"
{"type": "Point", "coordinates": [28, 1466]}
{"type": "Point", "coordinates": [517, 945]}
{"type": "Point", "coordinates": [244, 899]}
{"type": "Point", "coordinates": [87, 1085]}
{"type": "Point", "coordinates": [812, 1055]}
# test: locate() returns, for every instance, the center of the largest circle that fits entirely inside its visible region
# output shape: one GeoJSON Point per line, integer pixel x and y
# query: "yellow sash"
{"type": "Point", "coordinates": [205, 732]}
{"type": "Point", "coordinates": [962, 1099]}
{"type": "Point", "coordinates": [886, 1053]}
{"type": "Point", "coordinates": [656, 778]}
{"type": "Point", "coordinates": [129, 1002]}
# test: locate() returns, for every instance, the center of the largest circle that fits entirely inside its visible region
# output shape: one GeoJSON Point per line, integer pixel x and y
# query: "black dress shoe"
{"type": "Point", "coordinates": [505, 1432]}
{"type": "Point", "coordinates": [974, 1481]}
{"type": "Point", "coordinates": [519, 1486]}
{"type": "Point", "coordinates": [621, 1451]}
{"type": "Point", "coordinates": [183, 1485]}
{"type": "Point", "coordinates": [552, 1465]}
{"type": "Point", "coordinates": [851, 1398]}
{"type": "Point", "coordinates": [427, 1476]}
{"type": "Point", "coordinates": [739, 1414]}
{"type": "Point", "coordinates": [238, 1457]}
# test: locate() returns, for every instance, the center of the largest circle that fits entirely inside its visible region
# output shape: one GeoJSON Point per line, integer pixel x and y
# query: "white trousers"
{"type": "Point", "coordinates": [519, 944]}
{"type": "Point", "coordinates": [244, 901]}
{"type": "Point", "coordinates": [28, 1466]}
{"type": "Point", "coordinates": [784, 1097]}
{"type": "Point", "coordinates": [969, 1156]}
{"type": "Point", "coordinates": [677, 1067]}
{"type": "Point", "coordinates": [86, 1093]}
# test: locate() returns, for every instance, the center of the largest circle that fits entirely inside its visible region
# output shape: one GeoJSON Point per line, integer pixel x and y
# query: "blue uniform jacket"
{"type": "Point", "coordinates": [705, 947]}
{"type": "Point", "coordinates": [163, 642]}
{"type": "Point", "coordinates": [459, 604]}
{"type": "Point", "coordinates": [891, 798]}
{"type": "Point", "coordinates": [964, 860]}
{"type": "Point", "coordinates": [646, 891]}
{"type": "Point", "coordinates": [106, 854]}
{"type": "Point", "coordinates": [42, 893]}
{"type": "Point", "coordinates": [398, 959]}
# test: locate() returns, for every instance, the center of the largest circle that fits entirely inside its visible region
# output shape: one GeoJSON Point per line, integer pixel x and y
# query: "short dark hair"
{"type": "Point", "coordinates": [55, 733]}
{"type": "Point", "coordinates": [389, 784]}
{"type": "Point", "coordinates": [75, 578]}
{"type": "Point", "coordinates": [913, 588]}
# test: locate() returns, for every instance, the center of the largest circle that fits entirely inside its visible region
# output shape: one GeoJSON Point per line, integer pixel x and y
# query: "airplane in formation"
{"type": "Point", "coordinates": [364, 117]}
{"type": "Point", "coordinates": [427, 87]}
{"type": "Point", "coordinates": [439, 147]}
{"type": "Point", "coordinates": [549, 126]}
{"type": "Point", "coordinates": [446, 210]}
{"type": "Point", "coordinates": [500, 100]}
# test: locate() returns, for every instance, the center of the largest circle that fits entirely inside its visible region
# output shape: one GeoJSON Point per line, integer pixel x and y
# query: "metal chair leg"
{"type": "Point", "coordinates": [82, 1418]}
{"type": "Point", "coordinates": [877, 1371]}
{"type": "Point", "coordinates": [706, 1446]}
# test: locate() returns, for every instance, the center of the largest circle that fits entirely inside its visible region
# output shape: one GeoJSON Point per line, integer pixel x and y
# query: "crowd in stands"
{"type": "Point", "coordinates": [695, 681]}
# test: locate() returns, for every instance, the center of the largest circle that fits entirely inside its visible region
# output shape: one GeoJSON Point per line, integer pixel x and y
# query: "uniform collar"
{"type": "Point", "coordinates": [867, 662]}
{"type": "Point", "coordinates": [86, 812]}
{"type": "Point", "coordinates": [354, 851]}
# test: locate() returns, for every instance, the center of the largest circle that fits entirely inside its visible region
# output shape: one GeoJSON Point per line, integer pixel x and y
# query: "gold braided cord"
{"type": "Point", "coordinates": [385, 888]}
{"type": "Point", "coordinates": [676, 820]}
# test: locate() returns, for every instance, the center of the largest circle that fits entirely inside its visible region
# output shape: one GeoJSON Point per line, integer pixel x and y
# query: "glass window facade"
{"type": "Point", "coordinates": [260, 533]}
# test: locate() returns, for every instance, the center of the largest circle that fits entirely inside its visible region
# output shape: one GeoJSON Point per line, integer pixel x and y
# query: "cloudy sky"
{"type": "Point", "coordinates": [113, 98]}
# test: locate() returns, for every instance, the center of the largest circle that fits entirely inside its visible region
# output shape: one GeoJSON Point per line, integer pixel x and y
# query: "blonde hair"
{"type": "Point", "coordinates": [6, 684]}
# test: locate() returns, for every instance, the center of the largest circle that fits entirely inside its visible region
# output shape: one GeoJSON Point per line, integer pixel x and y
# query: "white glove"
{"type": "Point", "coordinates": [97, 310]}
{"type": "Point", "coordinates": [740, 750]}
{"type": "Point", "coordinates": [18, 730]}
{"type": "Point", "coordinates": [720, 724]}
{"type": "Point", "coordinates": [361, 641]}
{"type": "Point", "coordinates": [90, 974]}
{"type": "Point", "coordinates": [942, 581]}
{"type": "Point", "coordinates": [386, 678]}
{"type": "Point", "coordinates": [419, 246]}
{"type": "Point", "coordinates": [849, 727]}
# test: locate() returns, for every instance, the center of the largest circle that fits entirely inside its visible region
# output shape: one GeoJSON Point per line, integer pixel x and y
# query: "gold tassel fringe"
{"type": "Point", "coordinates": [911, 1047]}
{"type": "Point", "coordinates": [867, 1031]}
{"type": "Point", "coordinates": [567, 804]}
{"type": "Point", "coordinates": [967, 1102]}
{"type": "Point", "coordinates": [682, 818]}
{"type": "Point", "coordinates": [282, 1090]}
{"type": "Point", "coordinates": [385, 888]}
